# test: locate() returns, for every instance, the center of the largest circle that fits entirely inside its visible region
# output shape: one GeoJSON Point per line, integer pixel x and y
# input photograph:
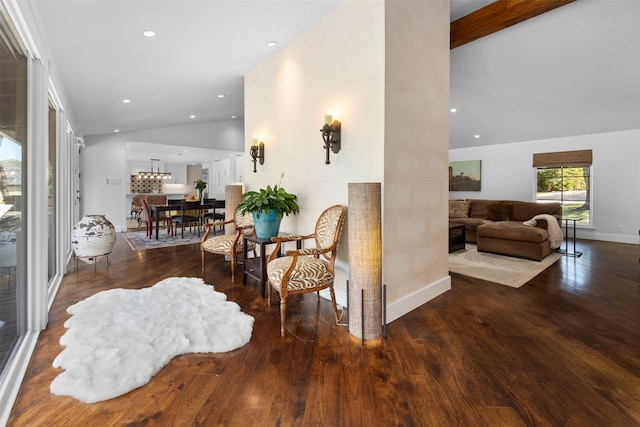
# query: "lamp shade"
{"type": "Point", "coordinates": [365, 260]}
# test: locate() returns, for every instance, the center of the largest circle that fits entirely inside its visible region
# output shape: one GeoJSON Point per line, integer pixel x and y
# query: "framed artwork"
{"type": "Point", "coordinates": [464, 176]}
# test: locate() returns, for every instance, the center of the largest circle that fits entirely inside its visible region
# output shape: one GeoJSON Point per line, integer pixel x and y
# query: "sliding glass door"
{"type": "Point", "coordinates": [13, 168]}
{"type": "Point", "coordinates": [52, 217]}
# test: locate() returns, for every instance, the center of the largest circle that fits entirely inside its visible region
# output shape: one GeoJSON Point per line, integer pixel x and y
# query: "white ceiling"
{"type": "Point", "coordinates": [202, 49]}
{"type": "Point", "coordinates": [572, 71]}
{"type": "Point", "coordinates": [568, 72]}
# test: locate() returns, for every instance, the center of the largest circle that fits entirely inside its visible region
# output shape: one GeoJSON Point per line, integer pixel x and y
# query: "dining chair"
{"type": "Point", "coordinates": [176, 203]}
{"type": "Point", "coordinates": [217, 211]}
{"type": "Point", "coordinates": [136, 206]}
{"type": "Point", "coordinates": [187, 208]}
{"type": "Point", "coordinates": [230, 245]}
{"type": "Point", "coordinates": [149, 220]}
{"type": "Point", "coordinates": [308, 269]}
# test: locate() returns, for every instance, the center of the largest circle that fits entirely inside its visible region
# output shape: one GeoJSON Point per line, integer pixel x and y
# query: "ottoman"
{"type": "Point", "coordinates": [513, 238]}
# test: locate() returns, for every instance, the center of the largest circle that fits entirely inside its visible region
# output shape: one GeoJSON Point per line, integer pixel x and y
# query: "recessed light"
{"type": "Point", "coordinates": [233, 117]}
{"type": "Point", "coordinates": [116, 130]}
{"type": "Point", "coordinates": [477, 136]}
{"type": "Point", "coordinates": [271, 43]}
{"type": "Point", "coordinates": [221, 95]}
{"type": "Point", "coordinates": [149, 33]}
{"type": "Point", "coordinates": [453, 110]}
{"type": "Point", "coordinates": [126, 101]}
{"type": "Point", "coordinates": [193, 116]}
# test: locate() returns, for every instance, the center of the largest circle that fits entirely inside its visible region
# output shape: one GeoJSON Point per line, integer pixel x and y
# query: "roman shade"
{"type": "Point", "coordinates": [577, 158]}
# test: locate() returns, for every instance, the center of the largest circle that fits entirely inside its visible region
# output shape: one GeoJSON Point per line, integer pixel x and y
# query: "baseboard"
{"type": "Point", "coordinates": [410, 302]}
{"type": "Point", "coordinates": [404, 305]}
{"type": "Point", "coordinates": [14, 374]}
{"type": "Point", "coordinates": [606, 237]}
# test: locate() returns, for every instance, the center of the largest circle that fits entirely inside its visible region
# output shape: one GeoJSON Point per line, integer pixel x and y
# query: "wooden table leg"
{"type": "Point", "coordinates": [157, 222]}
{"type": "Point", "coordinates": [263, 270]}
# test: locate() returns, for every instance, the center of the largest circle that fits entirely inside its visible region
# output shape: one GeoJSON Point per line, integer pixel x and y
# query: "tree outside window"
{"type": "Point", "coordinates": [571, 186]}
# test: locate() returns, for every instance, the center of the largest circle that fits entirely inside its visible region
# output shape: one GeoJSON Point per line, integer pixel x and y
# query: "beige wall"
{"type": "Point", "coordinates": [340, 63]}
{"type": "Point", "coordinates": [416, 150]}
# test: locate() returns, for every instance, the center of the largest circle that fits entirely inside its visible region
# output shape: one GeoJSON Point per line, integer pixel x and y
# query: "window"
{"type": "Point", "coordinates": [51, 200]}
{"type": "Point", "coordinates": [13, 130]}
{"type": "Point", "coordinates": [565, 177]}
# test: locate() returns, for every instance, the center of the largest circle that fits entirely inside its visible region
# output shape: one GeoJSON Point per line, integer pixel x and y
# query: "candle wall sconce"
{"type": "Point", "coordinates": [257, 153]}
{"type": "Point", "coordinates": [331, 135]}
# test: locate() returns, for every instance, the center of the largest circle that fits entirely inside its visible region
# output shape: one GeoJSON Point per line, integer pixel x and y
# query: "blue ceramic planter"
{"type": "Point", "coordinates": [268, 225]}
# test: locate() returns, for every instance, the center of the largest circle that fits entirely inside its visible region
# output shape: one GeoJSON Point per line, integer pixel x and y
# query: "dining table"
{"type": "Point", "coordinates": [157, 209]}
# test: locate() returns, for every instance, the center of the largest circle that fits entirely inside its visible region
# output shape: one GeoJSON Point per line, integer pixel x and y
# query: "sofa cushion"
{"type": "Point", "coordinates": [459, 208]}
{"type": "Point", "coordinates": [513, 230]}
{"type": "Point", "coordinates": [478, 208]}
{"type": "Point", "coordinates": [499, 211]}
{"type": "Point", "coordinates": [524, 211]}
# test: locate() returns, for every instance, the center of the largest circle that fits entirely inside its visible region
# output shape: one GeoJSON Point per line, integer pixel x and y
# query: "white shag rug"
{"type": "Point", "coordinates": [502, 269]}
{"type": "Point", "coordinates": [118, 339]}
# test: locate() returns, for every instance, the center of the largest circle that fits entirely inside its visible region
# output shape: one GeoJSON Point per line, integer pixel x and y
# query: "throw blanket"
{"type": "Point", "coordinates": [554, 229]}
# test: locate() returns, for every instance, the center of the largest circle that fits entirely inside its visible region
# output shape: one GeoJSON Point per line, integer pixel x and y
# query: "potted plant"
{"type": "Point", "coordinates": [268, 206]}
{"type": "Point", "coordinates": [200, 185]}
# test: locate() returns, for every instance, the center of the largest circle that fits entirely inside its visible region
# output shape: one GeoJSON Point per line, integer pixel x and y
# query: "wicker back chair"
{"type": "Point", "coordinates": [136, 206]}
{"type": "Point", "coordinates": [308, 269]}
{"type": "Point", "coordinates": [228, 244]}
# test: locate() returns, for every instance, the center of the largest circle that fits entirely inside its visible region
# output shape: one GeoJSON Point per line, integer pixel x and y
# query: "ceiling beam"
{"type": "Point", "coordinates": [497, 16]}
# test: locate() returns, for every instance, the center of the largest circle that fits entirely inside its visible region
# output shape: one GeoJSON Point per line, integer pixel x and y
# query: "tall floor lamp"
{"type": "Point", "coordinates": [365, 260]}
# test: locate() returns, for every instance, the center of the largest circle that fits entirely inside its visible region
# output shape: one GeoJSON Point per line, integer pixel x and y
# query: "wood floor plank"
{"type": "Point", "coordinates": [563, 349]}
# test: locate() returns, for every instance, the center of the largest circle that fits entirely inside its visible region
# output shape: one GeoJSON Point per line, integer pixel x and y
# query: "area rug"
{"type": "Point", "coordinates": [118, 339]}
{"type": "Point", "coordinates": [138, 240]}
{"type": "Point", "coordinates": [505, 270]}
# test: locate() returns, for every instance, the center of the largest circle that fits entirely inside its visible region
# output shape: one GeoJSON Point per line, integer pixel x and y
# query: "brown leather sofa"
{"type": "Point", "coordinates": [497, 225]}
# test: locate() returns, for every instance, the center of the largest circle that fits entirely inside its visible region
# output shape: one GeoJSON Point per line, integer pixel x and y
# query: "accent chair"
{"type": "Point", "coordinates": [230, 245]}
{"type": "Point", "coordinates": [308, 269]}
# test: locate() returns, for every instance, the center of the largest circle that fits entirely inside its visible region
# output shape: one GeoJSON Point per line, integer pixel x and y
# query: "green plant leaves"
{"type": "Point", "coordinates": [270, 198]}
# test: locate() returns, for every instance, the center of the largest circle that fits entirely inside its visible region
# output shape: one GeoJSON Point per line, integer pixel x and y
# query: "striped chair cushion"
{"type": "Point", "coordinates": [310, 272]}
{"type": "Point", "coordinates": [327, 226]}
{"type": "Point", "coordinates": [223, 243]}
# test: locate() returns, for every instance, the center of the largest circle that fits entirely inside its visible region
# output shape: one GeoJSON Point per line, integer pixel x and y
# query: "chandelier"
{"type": "Point", "coordinates": [155, 174]}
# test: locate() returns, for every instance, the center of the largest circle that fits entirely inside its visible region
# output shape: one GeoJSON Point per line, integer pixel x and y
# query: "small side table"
{"type": "Point", "coordinates": [257, 267]}
{"type": "Point", "coordinates": [566, 241]}
{"type": "Point", "coordinates": [456, 237]}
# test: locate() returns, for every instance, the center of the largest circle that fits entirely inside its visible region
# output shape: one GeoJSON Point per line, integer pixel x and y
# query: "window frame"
{"type": "Point", "coordinates": [590, 191]}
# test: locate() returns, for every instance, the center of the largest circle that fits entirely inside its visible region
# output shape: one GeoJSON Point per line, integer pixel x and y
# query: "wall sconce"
{"type": "Point", "coordinates": [257, 152]}
{"type": "Point", "coordinates": [331, 135]}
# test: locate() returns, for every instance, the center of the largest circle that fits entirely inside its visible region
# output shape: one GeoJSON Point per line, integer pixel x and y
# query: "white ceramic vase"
{"type": "Point", "coordinates": [92, 236]}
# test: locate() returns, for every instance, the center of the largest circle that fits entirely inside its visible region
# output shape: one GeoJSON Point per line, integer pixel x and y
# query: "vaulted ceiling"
{"type": "Point", "coordinates": [570, 71]}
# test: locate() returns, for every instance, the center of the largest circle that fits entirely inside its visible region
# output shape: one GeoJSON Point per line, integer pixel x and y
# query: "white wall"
{"type": "Point", "coordinates": [337, 64]}
{"type": "Point", "coordinates": [99, 162]}
{"type": "Point", "coordinates": [507, 173]}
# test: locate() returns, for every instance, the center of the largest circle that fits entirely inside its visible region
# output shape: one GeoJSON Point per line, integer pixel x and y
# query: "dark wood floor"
{"type": "Point", "coordinates": [563, 350]}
